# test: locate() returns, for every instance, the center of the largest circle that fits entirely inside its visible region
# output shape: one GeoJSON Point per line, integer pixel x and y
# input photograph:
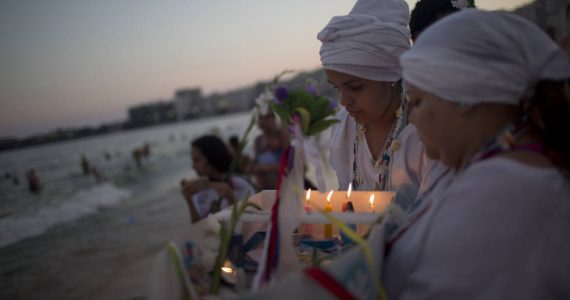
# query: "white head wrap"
{"type": "Point", "coordinates": [367, 42]}
{"type": "Point", "coordinates": [477, 56]}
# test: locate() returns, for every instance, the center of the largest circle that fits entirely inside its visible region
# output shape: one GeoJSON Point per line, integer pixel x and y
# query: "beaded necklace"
{"type": "Point", "coordinates": [390, 145]}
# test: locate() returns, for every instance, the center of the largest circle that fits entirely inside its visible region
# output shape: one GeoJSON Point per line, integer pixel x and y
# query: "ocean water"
{"type": "Point", "coordinates": [64, 240]}
{"type": "Point", "coordinates": [67, 194]}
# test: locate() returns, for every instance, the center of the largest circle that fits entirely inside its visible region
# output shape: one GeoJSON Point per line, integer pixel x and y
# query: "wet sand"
{"type": "Point", "coordinates": [104, 256]}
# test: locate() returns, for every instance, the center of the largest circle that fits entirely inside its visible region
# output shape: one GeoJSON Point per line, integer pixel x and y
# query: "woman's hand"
{"type": "Point", "coordinates": [191, 187]}
{"type": "Point", "coordinates": [188, 189]}
{"type": "Point", "coordinates": [224, 190]}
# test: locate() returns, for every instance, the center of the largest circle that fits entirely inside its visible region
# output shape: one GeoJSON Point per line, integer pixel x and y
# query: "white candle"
{"type": "Point", "coordinates": [308, 227]}
{"type": "Point", "coordinates": [328, 208]}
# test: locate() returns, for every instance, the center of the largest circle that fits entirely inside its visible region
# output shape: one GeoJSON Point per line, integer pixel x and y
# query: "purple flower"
{"type": "Point", "coordinates": [311, 89]}
{"type": "Point", "coordinates": [296, 118]}
{"type": "Point", "coordinates": [333, 104]}
{"type": "Point", "coordinates": [281, 93]}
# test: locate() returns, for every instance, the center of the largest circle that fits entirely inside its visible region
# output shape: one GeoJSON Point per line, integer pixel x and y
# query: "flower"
{"type": "Point", "coordinates": [333, 104]}
{"type": "Point", "coordinates": [311, 89]}
{"type": "Point", "coordinates": [281, 93]}
{"type": "Point", "coordinates": [209, 247]}
{"type": "Point", "coordinates": [305, 107]}
{"type": "Point", "coordinates": [212, 224]}
{"type": "Point", "coordinates": [262, 102]}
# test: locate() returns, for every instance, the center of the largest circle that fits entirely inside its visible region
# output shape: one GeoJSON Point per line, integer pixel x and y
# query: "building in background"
{"type": "Point", "coordinates": [155, 113]}
{"type": "Point", "coordinates": [188, 103]}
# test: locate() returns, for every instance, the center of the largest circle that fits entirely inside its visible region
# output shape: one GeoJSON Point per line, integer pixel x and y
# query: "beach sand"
{"type": "Point", "coordinates": [104, 256]}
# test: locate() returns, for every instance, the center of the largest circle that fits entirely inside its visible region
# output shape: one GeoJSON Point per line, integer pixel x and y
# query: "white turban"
{"type": "Point", "coordinates": [477, 56]}
{"type": "Point", "coordinates": [367, 42]}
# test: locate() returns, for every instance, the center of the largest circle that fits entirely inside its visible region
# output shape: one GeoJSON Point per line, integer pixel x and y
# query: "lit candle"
{"type": "Point", "coordinates": [344, 205]}
{"type": "Point", "coordinates": [328, 208]}
{"type": "Point", "coordinates": [308, 227]}
{"type": "Point", "coordinates": [371, 203]}
{"type": "Point", "coordinates": [229, 273]}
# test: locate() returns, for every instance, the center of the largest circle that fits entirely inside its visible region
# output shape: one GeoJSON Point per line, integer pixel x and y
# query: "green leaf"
{"type": "Point", "coordinates": [321, 126]}
{"type": "Point", "coordinates": [281, 112]}
{"type": "Point", "coordinates": [305, 117]}
{"type": "Point", "coordinates": [320, 109]}
{"type": "Point", "coordinates": [299, 98]}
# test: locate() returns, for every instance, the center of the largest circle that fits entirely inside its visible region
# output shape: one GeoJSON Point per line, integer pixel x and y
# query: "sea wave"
{"type": "Point", "coordinates": [86, 202]}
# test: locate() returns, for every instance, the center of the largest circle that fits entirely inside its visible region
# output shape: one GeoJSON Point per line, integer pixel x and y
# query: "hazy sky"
{"type": "Point", "coordinates": [68, 63]}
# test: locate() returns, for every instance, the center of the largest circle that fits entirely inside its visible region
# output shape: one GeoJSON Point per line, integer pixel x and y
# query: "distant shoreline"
{"type": "Point", "coordinates": [60, 135]}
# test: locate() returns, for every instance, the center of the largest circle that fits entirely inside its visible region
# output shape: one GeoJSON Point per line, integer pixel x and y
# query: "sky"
{"type": "Point", "coordinates": [72, 63]}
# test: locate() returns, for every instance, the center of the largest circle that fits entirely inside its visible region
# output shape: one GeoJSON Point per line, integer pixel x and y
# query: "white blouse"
{"type": "Point", "coordinates": [497, 231]}
{"type": "Point", "coordinates": [408, 166]}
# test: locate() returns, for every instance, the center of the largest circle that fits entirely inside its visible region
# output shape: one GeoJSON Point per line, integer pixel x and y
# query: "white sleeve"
{"type": "Point", "coordinates": [496, 235]}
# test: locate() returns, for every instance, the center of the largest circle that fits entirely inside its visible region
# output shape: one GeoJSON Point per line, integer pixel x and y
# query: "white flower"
{"type": "Point", "coordinates": [262, 102]}
{"type": "Point", "coordinates": [460, 4]}
{"type": "Point", "coordinates": [212, 225]}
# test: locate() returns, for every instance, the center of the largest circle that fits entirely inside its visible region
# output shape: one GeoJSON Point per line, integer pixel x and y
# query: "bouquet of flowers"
{"type": "Point", "coordinates": [304, 107]}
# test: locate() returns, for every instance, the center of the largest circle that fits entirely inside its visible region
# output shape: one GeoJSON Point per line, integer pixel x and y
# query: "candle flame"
{"type": "Point", "coordinates": [227, 270]}
{"type": "Point", "coordinates": [329, 196]}
{"type": "Point", "coordinates": [308, 195]}
{"type": "Point", "coordinates": [349, 190]}
{"type": "Point", "coordinates": [372, 201]}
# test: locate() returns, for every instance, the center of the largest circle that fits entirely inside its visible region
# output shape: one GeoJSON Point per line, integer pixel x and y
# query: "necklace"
{"type": "Point", "coordinates": [391, 144]}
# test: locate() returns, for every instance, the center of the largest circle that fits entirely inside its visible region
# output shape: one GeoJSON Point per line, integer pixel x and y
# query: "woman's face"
{"type": "Point", "coordinates": [365, 100]}
{"type": "Point", "coordinates": [266, 122]}
{"type": "Point", "coordinates": [199, 162]}
{"type": "Point", "coordinates": [439, 124]}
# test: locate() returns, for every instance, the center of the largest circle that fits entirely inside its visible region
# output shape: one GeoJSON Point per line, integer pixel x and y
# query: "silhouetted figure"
{"type": "Point", "coordinates": [145, 150]}
{"type": "Point", "coordinates": [33, 181]}
{"type": "Point", "coordinates": [98, 176]}
{"type": "Point", "coordinates": [85, 164]}
{"type": "Point", "coordinates": [107, 156]}
{"type": "Point", "coordinates": [137, 156]}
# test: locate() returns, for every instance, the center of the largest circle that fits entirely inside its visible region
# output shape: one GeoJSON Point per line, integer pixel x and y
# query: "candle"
{"type": "Point", "coordinates": [308, 228]}
{"type": "Point", "coordinates": [371, 203]}
{"type": "Point", "coordinates": [328, 208]}
{"type": "Point", "coordinates": [344, 205]}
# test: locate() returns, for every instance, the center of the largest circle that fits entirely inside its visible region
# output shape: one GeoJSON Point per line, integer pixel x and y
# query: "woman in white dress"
{"type": "Point", "coordinates": [490, 101]}
{"type": "Point", "coordinates": [372, 147]}
{"type": "Point", "coordinates": [488, 97]}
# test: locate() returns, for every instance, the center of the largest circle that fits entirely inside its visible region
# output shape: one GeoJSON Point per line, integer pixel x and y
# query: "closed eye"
{"type": "Point", "coordinates": [355, 88]}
